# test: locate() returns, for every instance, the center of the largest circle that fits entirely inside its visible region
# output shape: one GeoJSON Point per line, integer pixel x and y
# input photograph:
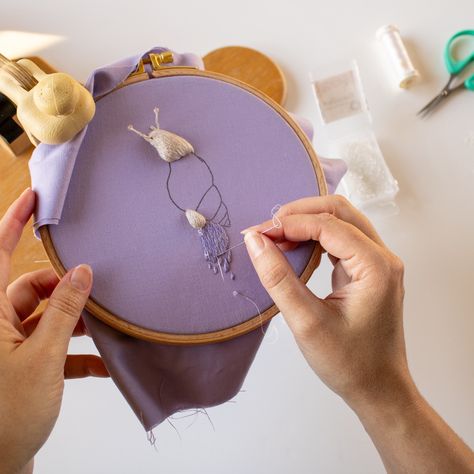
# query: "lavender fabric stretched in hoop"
{"type": "Point", "coordinates": [51, 166]}
{"type": "Point", "coordinates": [157, 380]}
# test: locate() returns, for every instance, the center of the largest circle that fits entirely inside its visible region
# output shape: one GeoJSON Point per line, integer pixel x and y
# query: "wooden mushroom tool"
{"type": "Point", "coordinates": [54, 110]}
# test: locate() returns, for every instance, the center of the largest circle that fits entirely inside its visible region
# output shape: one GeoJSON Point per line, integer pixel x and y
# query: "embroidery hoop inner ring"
{"type": "Point", "coordinates": [114, 320]}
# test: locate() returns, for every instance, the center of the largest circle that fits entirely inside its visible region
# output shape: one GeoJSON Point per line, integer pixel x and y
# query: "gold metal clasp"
{"type": "Point", "coordinates": [139, 74]}
{"type": "Point", "coordinates": [157, 59]}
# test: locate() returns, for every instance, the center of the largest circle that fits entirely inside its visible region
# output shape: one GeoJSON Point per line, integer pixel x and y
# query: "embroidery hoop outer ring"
{"type": "Point", "coordinates": [115, 321]}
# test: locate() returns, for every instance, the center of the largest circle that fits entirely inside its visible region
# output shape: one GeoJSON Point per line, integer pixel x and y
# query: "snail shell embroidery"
{"type": "Point", "coordinates": [170, 147]}
{"type": "Point", "coordinates": [213, 236]}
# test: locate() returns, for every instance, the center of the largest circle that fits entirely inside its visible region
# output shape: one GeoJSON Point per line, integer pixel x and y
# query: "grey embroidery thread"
{"type": "Point", "coordinates": [213, 236]}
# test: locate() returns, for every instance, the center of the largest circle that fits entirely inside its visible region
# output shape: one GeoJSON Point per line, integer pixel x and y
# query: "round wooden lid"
{"type": "Point", "coordinates": [249, 66]}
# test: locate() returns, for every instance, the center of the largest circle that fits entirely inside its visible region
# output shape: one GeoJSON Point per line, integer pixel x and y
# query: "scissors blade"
{"type": "Point", "coordinates": [432, 104]}
{"type": "Point", "coordinates": [446, 91]}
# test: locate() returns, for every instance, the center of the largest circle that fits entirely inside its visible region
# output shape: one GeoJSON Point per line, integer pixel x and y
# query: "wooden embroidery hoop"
{"type": "Point", "coordinates": [115, 321]}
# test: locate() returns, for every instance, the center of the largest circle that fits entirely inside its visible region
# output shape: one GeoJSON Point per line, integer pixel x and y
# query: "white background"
{"type": "Point", "coordinates": [286, 420]}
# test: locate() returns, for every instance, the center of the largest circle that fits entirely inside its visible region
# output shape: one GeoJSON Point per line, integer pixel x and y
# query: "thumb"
{"type": "Point", "coordinates": [64, 308]}
{"type": "Point", "coordinates": [290, 294]}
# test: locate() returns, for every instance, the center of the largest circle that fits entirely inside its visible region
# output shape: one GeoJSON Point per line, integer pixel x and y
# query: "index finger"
{"type": "Point", "coordinates": [337, 237]}
{"type": "Point", "coordinates": [11, 228]}
{"type": "Point", "coordinates": [336, 205]}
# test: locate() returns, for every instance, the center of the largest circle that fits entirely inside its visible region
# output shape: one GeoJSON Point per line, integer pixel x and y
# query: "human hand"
{"type": "Point", "coordinates": [33, 348]}
{"type": "Point", "coordinates": [353, 339]}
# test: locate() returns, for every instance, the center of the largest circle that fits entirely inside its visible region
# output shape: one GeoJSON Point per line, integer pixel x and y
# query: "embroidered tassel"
{"type": "Point", "coordinates": [214, 241]}
{"type": "Point", "coordinates": [215, 245]}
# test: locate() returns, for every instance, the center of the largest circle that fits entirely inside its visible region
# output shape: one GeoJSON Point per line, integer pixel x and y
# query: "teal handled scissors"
{"type": "Point", "coordinates": [454, 68]}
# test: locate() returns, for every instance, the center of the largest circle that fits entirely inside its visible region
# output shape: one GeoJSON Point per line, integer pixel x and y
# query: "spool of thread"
{"type": "Point", "coordinates": [394, 49]}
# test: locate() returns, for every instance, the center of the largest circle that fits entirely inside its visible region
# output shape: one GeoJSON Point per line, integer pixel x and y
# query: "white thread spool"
{"type": "Point", "coordinates": [405, 72]}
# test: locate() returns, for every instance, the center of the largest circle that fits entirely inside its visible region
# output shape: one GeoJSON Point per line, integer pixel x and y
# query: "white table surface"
{"type": "Point", "coordinates": [287, 420]}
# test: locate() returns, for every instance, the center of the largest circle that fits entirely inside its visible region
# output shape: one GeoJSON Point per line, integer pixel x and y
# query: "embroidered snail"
{"type": "Point", "coordinates": [214, 239]}
{"type": "Point", "coordinates": [170, 147]}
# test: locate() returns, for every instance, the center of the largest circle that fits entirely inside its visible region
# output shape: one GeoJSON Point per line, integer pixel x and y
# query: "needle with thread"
{"type": "Point", "coordinates": [276, 225]}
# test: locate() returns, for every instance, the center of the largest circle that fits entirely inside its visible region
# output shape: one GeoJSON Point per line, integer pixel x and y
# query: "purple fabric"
{"type": "Point", "coordinates": [158, 380]}
{"type": "Point", "coordinates": [51, 166]}
{"type": "Point", "coordinates": [333, 169]}
{"type": "Point", "coordinates": [118, 195]}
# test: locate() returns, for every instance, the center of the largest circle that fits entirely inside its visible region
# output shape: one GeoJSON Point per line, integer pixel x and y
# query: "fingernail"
{"type": "Point", "coordinates": [24, 213]}
{"type": "Point", "coordinates": [249, 229]}
{"type": "Point", "coordinates": [81, 277]}
{"type": "Point", "coordinates": [254, 242]}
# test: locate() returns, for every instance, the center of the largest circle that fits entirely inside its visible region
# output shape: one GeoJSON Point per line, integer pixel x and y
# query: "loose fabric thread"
{"type": "Point", "coordinates": [250, 300]}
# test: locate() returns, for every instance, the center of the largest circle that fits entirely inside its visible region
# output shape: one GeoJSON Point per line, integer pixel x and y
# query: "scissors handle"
{"type": "Point", "coordinates": [469, 83]}
{"type": "Point", "coordinates": [455, 67]}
